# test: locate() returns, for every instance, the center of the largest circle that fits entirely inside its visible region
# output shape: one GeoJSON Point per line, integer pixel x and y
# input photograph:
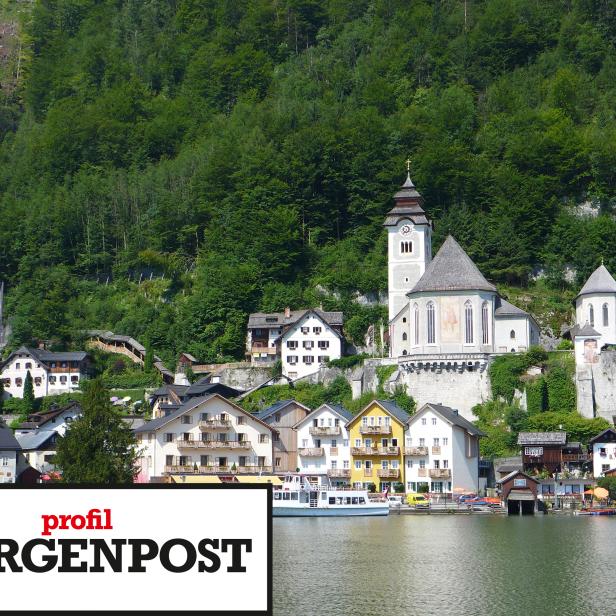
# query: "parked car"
{"type": "Point", "coordinates": [395, 500]}
{"type": "Point", "coordinates": [466, 497]}
{"type": "Point", "coordinates": [418, 501]}
{"type": "Point", "coordinates": [483, 501]}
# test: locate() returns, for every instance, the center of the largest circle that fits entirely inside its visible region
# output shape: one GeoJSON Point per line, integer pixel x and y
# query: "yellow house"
{"type": "Point", "coordinates": [376, 436]}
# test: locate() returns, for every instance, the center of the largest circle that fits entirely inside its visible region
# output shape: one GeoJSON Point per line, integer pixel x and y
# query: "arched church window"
{"type": "Point", "coordinates": [606, 318]}
{"type": "Point", "coordinates": [591, 315]}
{"type": "Point", "coordinates": [406, 247]}
{"type": "Point", "coordinates": [416, 322]}
{"type": "Point", "coordinates": [468, 322]}
{"type": "Point", "coordinates": [404, 336]}
{"type": "Point", "coordinates": [512, 334]}
{"type": "Point", "coordinates": [485, 332]}
{"type": "Point", "coordinates": [431, 323]}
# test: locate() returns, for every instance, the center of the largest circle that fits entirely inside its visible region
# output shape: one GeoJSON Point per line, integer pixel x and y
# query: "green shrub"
{"type": "Point", "coordinates": [536, 396]}
{"type": "Point", "coordinates": [565, 345]}
{"type": "Point", "coordinates": [349, 361]}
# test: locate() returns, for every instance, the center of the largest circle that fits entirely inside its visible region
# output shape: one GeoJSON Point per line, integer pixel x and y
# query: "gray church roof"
{"type": "Point", "coordinates": [585, 330]}
{"type": "Point", "coordinates": [452, 270]}
{"type": "Point", "coordinates": [600, 281]}
{"type": "Point", "coordinates": [408, 206]}
{"type": "Point", "coordinates": [504, 308]}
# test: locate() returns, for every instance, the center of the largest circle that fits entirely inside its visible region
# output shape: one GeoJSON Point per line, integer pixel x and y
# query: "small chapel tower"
{"type": "Point", "coordinates": [409, 244]}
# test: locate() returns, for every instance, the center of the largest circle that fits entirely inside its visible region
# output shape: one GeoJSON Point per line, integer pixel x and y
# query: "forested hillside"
{"type": "Point", "coordinates": [247, 151]}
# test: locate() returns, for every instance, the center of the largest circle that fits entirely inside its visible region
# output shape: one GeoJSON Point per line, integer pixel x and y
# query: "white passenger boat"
{"type": "Point", "coordinates": [300, 496]}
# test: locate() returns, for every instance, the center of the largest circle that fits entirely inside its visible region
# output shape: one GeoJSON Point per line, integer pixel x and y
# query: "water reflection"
{"type": "Point", "coordinates": [444, 564]}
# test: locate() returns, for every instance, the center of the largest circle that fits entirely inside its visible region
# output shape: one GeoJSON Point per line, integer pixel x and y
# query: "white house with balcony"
{"type": "Point", "coordinates": [603, 450]}
{"type": "Point", "coordinates": [52, 373]}
{"type": "Point", "coordinates": [441, 451]}
{"type": "Point", "coordinates": [206, 436]}
{"type": "Point", "coordinates": [323, 444]}
{"type": "Point", "coordinates": [301, 339]}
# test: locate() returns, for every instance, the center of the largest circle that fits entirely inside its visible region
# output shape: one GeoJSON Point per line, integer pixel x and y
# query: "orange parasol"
{"type": "Point", "coordinates": [601, 493]}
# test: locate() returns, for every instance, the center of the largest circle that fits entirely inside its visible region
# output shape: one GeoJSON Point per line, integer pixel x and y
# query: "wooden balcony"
{"type": "Point", "coordinates": [388, 473]}
{"type": "Point", "coordinates": [196, 444]}
{"type": "Point", "coordinates": [214, 470]}
{"type": "Point", "coordinates": [440, 473]}
{"type": "Point", "coordinates": [253, 469]}
{"type": "Point", "coordinates": [576, 457]}
{"type": "Point", "coordinates": [375, 451]}
{"type": "Point", "coordinates": [436, 450]}
{"type": "Point", "coordinates": [324, 430]}
{"type": "Point", "coordinates": [215, 424]}
{"type": "Point", "coordinates": [339, 472]}
{"type": "Point", "coordinates": [256, 348]}
{"type": "Point", "coordinates": [375, 429]}
{"type": "Point", "coordinates": [415, 451]}
{"type": "Point", "coordinates": [311, 452]}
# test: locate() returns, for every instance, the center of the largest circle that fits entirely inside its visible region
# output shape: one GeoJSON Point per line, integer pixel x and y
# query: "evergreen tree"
{"type": "Point", "coordinates": [190, 375]}
{"type": "Point", "coordinates": [148, 363]}
{"type": "Point", "coordinates": [28, 396]}
{"type": "Point", "coordinates": [98, 447]}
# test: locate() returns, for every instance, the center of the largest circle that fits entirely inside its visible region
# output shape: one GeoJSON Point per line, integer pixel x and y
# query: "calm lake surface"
{"type": "Point", "coordinates": [457, 564]}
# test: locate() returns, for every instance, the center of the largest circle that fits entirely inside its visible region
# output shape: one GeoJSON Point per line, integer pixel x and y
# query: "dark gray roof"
{"type": "Point", "coordinates": [517, 472]}
{"type": "Point", "coordinates": [454, 417]}
{"type": "Point", "coordinates": [154, 424]}
{"type": "Point", "coordinates": [509, 468]}
{"type": "Point", "coordinates": [44, 357]}
{"type": "Point", "coordinates": [399, 413]}
{"type": "Point", "coordinates": [504, 308]}
{"type": "Point", "coordinates": [408, 206]}
{"type": "Point", "coordinates": [337, 408]}
{"type": "Point", "coordinates": [200, 388]}
{"type": "Point", "coordinates": [602, 435]}
{"type": "Point", "coordinates": [600, 281]}
{"type": "Point", "coordinates": [36, 420]}
{"type": "Point", "coordinates": [452, 270]}
{"type": "Point", "coordinates": [35, 440]}
{"type": "Point", "coordinates": [278, 319]}
{"type": "Point", "coordinates": [8, 442]}
{"type": "Point", "coordinates": [164, 390]}
{"type": "Point", "coordinates": [277, 406]}
{"type": "Point", "coordinates": [542, 438]}
{"type": "Point", "coordinates": [585, 330]}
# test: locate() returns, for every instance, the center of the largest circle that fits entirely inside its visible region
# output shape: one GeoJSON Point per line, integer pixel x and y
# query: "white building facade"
{"type": "Point", "coordinates": [9, 453]}
{"type": "Point", "coordinates": [323, 444]}
{"type": "Point", "coordinates": [441, 452]}
{"type": "Point", "coordinates": [603, 452]}
{"type": "Point", "coordinates": [52, 373]}
{"type": "Point", "coordinates": [207, 435]}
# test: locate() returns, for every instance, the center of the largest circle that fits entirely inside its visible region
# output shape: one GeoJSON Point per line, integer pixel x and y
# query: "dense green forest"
{"type": "Point", "coordinates": [168, 166]}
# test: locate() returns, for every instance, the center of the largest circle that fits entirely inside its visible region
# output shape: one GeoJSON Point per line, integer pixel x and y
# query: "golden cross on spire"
{"type": "Point", "coordinates": [408, 165]}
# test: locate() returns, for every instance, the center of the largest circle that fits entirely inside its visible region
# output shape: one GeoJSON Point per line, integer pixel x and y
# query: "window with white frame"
{"type": "Point", "coordinates": [422, 464]}
{"type": "Point", "coordinates": [468, 322]}
{"type": "Point", "coordinates": [416, 323]}
{"type": "Point", "coordinates": [485, 331]}
{"type": "Point", "coordinates": [324, 344]}
{"type": "Point", "coordinates": [431, 323]}
{"type": "Point", "coordinates": [357, 465]}
{"type": "Point", "coordinates": [291, 344]}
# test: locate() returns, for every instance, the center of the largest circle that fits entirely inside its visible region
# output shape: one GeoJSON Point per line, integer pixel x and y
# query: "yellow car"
{"type": "Point", "coordinates": [419, 501]}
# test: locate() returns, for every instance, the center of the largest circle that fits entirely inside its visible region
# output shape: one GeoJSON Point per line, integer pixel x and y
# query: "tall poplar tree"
{"type": "Point", "coordinates": [28, 396]}
{"type": "Point", "coordinates": [98, 447]}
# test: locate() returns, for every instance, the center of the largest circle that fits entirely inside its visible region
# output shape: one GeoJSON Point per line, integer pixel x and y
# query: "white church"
{"type": "Point", "coordinates": [445, 319]}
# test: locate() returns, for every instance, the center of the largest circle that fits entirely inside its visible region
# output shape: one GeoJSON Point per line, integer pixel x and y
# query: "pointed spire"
{"type": "Point", "coordinates": [408, 203]}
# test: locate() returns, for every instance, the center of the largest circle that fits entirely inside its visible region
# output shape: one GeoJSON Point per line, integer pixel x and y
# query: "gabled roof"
{"type": "Point", "coordinates": [165, 390]}
{"type": "Point", "coordinates": [387, 405]}
{"type": "Point", "coordinates": [504, 308]}
{"type": "Point", "coordinates": [189, 357]}
{"type": "Point", "coordinates": [450, 415]}
{"type": "Point", "coordinates": [542, 438]}
{"type": "Point", "coordinates": [600, 281]}
{"type": "Point", "coordinates": [45, 357]}
{"type": "Point", "coordinates": [277, 406]}
{"type": "Point", "coordinates": [511, 475]}
{"type": "Point", "coordinates": [202, 387]}
{"type": "Point", "coordinates": [190, 404]}
{"type": "Point", "coordinates": [452, 270]}
{"type": "Point", "coordinates": [288, 328]}
{"type": "Point", "coordinates": [599, 438]}
{"type": "Point", "coordinates": [35, 440]}
{"type": "Point", "coordinates": [8, 442]}
{"type": "Point", "coordinates": [585, 330]}
{"type": "Point", "coordinates": [278, 319]}
{"type": "Point", "coordinates": [36, 420]}
{"type": "Point", "coordinates": [339, 410]}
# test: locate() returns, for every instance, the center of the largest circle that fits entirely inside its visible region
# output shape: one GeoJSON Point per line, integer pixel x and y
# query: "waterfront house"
{"type": "Point", "coordinates": [441, 451]}
{"type": "Point", "coordinates": [52, 373]}
{"type": "Point", "coordinates": [518, 491]}
{"type": "Point", "coordinates": [209, 436]}
{"type": "Point", "coordinates": [9, 452]}
{"type": "Point", "coordinates": [282, 417]}
{"type": "Point", "coordinates": [550, 451]}
{"type": "Point", "coordinates": [323, 443]}
{"type": "Point", "coordinates": [603, 450]}
{"type": "Point", "coordinates": [301, 339]}
{"type": "Point", "coordinates": [376, 437]}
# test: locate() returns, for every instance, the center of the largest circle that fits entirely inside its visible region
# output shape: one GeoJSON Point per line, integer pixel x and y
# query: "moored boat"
{"type": "Point", "coordinates": [302, 496]}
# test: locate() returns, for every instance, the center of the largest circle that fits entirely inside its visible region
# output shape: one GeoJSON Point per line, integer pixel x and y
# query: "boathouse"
{"type": "Point", "coordinates": [519, 493]}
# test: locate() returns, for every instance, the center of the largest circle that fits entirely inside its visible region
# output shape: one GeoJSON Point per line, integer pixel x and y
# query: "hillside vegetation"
{"type": "Point", "coordinates": [168, 166]}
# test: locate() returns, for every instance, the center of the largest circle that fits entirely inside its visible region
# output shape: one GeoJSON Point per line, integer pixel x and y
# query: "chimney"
{"type": "Point", "coordinates": [287, 313]}
{"type": "Point", "coordinates": [455, 411]}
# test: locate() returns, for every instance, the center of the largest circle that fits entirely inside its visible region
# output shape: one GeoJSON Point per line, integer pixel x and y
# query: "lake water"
{"type": "Point", "coordinates": [456, 564]}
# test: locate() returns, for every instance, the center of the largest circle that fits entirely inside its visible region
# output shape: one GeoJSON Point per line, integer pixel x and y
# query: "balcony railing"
{"type": "Point", "coordinates": [367, 472]}
{"type": "Point", "coordinates": [388, 473]}
{"type": "Point", "coordinates": [263, 349]}
{"type": "Point", "coordinates": [213, 470]}
{"type": "Point", "coordinates": [339, 472]}
{"type": "Point", "coordinates": [575, 457]}
{"type": "Point", "coordinates": [311, 452]}
{"type": "Point", "coordinates": [375, 429]}
{"type": "Point", "coordinates": [375, 451]}
{"type": "Point", "coordinates": [194, 443]}
{"type": "Point", "coordinates": [436, 450]}
{"type": "Point", "coordinates": [415, 451]}
{"type": "Point", "coordinates": [440, 473]}
{"type": "Point", "coordinates": [215, 424]}
{"type": "Point", "coordinates": [324, 430]}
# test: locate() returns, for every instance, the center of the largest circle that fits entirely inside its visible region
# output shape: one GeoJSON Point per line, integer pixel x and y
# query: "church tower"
{"type": "Point", "coordinates": [409, 244]}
